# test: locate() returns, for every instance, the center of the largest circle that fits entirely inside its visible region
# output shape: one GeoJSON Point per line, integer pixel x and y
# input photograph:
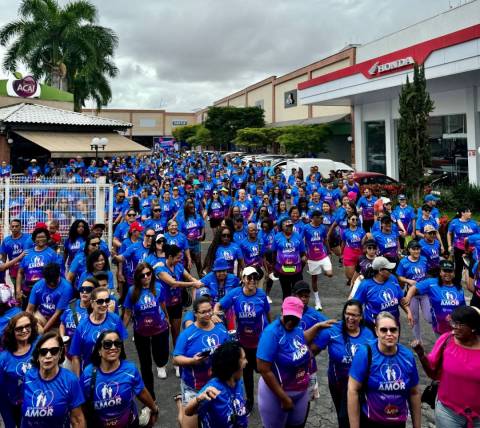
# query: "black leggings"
{"type": "Point", "coordinates": [458, 259]}
{"type": "Point", "coordinates": [287, 282]}
{"type": "Point", "coordinates": [339, 398]}
{"type": "Point", "coordinates": [158, 346]}
{"type": "Point", "coordinates": [251, 354]}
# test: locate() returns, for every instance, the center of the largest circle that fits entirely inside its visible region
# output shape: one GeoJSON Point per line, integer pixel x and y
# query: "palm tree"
{"type": "Point", "coordinates": [64, 46]}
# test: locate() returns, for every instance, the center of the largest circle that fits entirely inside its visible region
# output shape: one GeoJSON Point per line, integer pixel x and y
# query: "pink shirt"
{"type": "Point", "coordinates": [459, 387]}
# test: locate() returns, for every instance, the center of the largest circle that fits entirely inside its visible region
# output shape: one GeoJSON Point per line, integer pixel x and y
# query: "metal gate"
{"type": "Point", "coordinates": [65, 202]}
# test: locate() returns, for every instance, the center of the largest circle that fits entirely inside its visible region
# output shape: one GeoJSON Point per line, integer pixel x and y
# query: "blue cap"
{"type": "Point", "coordinates": [401, 196]}
{"type": "Point", "coordinates": [430, 198]}
{"type": "Point", "coordinates": [220, 264]}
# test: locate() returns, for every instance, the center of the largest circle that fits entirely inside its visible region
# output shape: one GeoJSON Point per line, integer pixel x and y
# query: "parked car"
{"type": "Point", "coordinates": [379, 183]}
{"type": "Point", "coordinates": [304, 165]}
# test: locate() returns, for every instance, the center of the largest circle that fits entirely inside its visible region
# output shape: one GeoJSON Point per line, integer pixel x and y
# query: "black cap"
{"type": "Point", "coordinates": [414, 244]}
{"type": "Point", "coordinates": [370, 243]}
{"type": "Point", "coordinates": [446, 265]}
{"type": "Point", "coordinates": [316, 213]}
{"type": "Point", "coordinates": [300, 286]}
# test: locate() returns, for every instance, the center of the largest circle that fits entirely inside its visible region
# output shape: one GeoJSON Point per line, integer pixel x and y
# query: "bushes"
{"type": "Point", "coordinates": [461, 195]}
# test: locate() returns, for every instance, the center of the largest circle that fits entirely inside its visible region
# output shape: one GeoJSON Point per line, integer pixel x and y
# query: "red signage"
{"type": "Point", "coordinates": [398, 60]}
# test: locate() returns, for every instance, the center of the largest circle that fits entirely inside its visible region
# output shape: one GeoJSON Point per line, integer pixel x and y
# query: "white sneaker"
{"type": "Point", "coordinates": [273, 277]}
{"type": "Point", "coordinates": [318, 306]}
{"type": "Point", "coordinates": [161, 372]}
{"type": "Point", "coordinates": [144, 417]}
{"type": "Point", "coordinates": [177, 371]}
{"type": "Point", "coordinates": [269, 300]}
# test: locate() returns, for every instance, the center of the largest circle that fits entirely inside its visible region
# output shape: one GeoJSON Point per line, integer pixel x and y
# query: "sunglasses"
{"type": "Point", "coordinates": [131, 215]}
{"type": "Point", "coordinates": [371, 248]}
{"type": "Point", "coordinates": [226, 235]}
{"type": "Point", "coordinates": [85, 290]}
{"type": "Point", "coordinates": [109, 344]}
{"type": "Point", "coordinates": [146, 274]}
{"type": "Point", "coordinates": [156, 210]}
{"type": "Point", "coordinates": [388, 330]}
{"type": "Point", "coordinates": [26, 327]}
{"type": "Point", "coordinates": [53, 351]}
{"type": "Point", "coordinates": [252, 277]}
{"type": "Point", "coordinates": [101, 302]}
{"type": "Point", "coordinates": [149, 236]}
{"type": "Point", "coordinates": [94, 244]}
{"type": "Point", "coordinates": [353, 218]}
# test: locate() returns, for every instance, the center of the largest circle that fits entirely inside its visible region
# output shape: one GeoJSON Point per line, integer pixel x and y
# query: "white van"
{"type": "Point", "coordinates": [304, 165]}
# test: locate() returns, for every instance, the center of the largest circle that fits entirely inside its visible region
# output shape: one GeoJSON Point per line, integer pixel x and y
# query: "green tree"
{"type": "Point", "coordinates": [202, 138]}
{"type": "Point", "coordinates": [306, 139]}
{"type": "Point", "coordinates": [183, 133]}
{"type": "Point", "coordinates": [251, 138]}
{"type": "Point", "coordinates": [413, 142]}
{"type": "Point", "coordinates": [224, 122]}
{"type": "Point", "coordinates": [65, 46]}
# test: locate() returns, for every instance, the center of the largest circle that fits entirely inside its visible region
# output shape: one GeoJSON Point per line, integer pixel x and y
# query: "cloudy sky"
{"type": "Point", "coordinates": [181, 55]}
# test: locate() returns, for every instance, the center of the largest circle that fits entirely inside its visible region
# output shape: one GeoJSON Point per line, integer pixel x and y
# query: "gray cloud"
{"type": "Point", "coordinates": [185, 54]}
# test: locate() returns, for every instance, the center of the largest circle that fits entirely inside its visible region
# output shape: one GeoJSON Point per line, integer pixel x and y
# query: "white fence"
{"type": "Point", "coordinates": [65, 202]}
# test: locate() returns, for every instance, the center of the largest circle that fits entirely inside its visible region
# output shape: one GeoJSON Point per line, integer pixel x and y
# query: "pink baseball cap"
{"type": "Point", "coordinates": [292, 306]}
{"type": "Point", "coordinates": [136, 226]}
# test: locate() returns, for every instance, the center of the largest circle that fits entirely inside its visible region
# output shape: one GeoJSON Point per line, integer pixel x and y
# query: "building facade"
{"type": "Point", "coordinates": [448, 45]}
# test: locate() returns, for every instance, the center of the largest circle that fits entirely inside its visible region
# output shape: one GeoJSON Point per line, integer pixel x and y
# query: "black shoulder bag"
{"type": "Point", "coordinates": [89, 406]}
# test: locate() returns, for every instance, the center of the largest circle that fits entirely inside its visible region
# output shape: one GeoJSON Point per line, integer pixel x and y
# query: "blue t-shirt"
{"type": "Point", "coordinates": [315, 237]}
{"type": "Point", "coordinates": [229, 253]}
{"type": "Point", "coordinates": [173, 295]}
{"type": "Point", "coordinates": [147, 313]}
{"type": "Point", "coordinates": [70, 320]}
{"type": "Point", "coordinates": [288, 261]}
{"type": "Point", "coordinates": [250, 314]}
{"type": "Point", "coordinates": [114, 394]}
{"type": "Point", "coordinates": [367, 206]}
{"type": "Point", "coordinates": [194, 340]}
{"type": "Point", "coordinates": [191, 227]}
{"type": "Point", "coordinates": [157, 224]}
{"type": "Point", "coordinates": [33, 263]}
{"type": "Point", "coordinates": [228, 405]}
{"type": "Point", "coordinates": [73, 247]}
{"type": "Point", "coordinates": [353, 238]}
{"type": "Point", "coordinates": [252, 252]}
{"type": "Point", "coordinates": [13, 247]}
{"type": "Point", "coordinates": [431, 252]}
{"type": "Point", "coordinates": [288, 354]}
{"type": "Point", "coordinates": [444, 300]}
{"type": "Point", "coordinates": [215, 291]}
{"type": "Point", "coordinates": [135, 253]}
{"type": "Point", "coordinates": [5, 319]}
{"type": "Point", "coordinates": [377, 297]}
{"type": "Point", "coordinates": [341, 350]}
{"type": "Point", "coordinates": [406, 215]}
{"type": "Point", "coordinates": [87, 333]}
{"type": "Point", "coordinates": [416, 270]}
{"type": "Point", "coordinates": [387, 244]}
{"type": "Point", "coordinates": [461, 230]}
{"type": "Point", "coordinates": [13, 369]}
{"type": "Point", "coordinates": [48, 403]}
{"type": "Point", "coordinates": [390, 379]}
{"type": "Point", "coordinates": [421, 223]}
{"type": "Point", "coordinates": [49, 300]}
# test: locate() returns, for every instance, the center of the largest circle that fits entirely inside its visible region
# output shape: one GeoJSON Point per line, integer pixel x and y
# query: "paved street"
{"type": "Point", "coordinates": [322, 413]}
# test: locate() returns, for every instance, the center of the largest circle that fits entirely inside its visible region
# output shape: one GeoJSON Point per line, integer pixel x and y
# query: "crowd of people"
{"type": "Point", "coordinates": [66, 305]}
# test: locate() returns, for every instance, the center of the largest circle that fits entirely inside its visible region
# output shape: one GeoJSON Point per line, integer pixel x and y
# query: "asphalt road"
{"type": "Point", "coordinates": [333, 293]}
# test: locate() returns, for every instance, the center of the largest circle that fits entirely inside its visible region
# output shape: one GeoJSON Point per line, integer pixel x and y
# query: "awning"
{"type": "Point", "coordinates": [311, 121]}
{"type": "Point", "coordinates": [71, 144]}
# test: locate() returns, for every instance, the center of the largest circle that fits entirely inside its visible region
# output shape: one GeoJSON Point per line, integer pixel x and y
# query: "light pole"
{"type": "Point", "coordinates": [96, 144]}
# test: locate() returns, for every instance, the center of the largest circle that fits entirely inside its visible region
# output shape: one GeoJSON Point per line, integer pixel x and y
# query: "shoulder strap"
{"type": "Point", "coordinates": [74, 312]}
{"type": "Point", "coordinates": [93, 382]}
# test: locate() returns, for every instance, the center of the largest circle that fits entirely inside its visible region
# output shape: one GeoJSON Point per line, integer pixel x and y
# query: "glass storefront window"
{"type": "Point", "coordinates": [375, 139]}
{"type": "Point", "coordinates": [448, 142]}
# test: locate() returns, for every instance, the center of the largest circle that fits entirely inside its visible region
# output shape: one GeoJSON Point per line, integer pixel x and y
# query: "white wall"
{"type": "Point", "coordinates": [436, 26]}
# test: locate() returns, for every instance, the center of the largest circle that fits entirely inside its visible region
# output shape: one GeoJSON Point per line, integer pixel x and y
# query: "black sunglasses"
{"type": "Point", "coordinates": [53, 351]}
{"type": "Point", "coordinates": [26, 327]}
{"type": "Point", "coordinates": [388, 329]}
{"type": "Point", "coordinates": [156, 210]}
{"type": "Point", "coordinates": [131, 215]}
{"type": "Point", "coordinates": [149, 236]}
{"type": "Point", "coordinates": [86, 290]}
{"type": "Point", "coordinates": [94, 244]}
{"type": "Point", "coordinates": [109, 344]}
{"type": "Point", "coordinates": [146, 274]}
{"type": "Point", "coordinates": [253, 277]}
{"type": "Point", "coordinates": [101, 302]}
{"type": "Point", "coordinates": [226, 235]}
